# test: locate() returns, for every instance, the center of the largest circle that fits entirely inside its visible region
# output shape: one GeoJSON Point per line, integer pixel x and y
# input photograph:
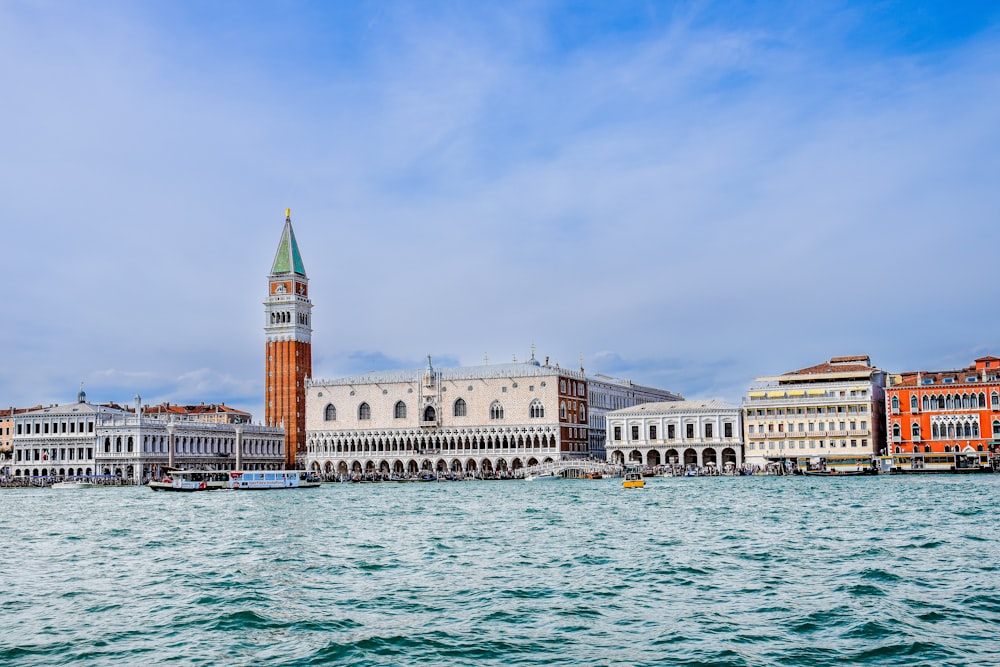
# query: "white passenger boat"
{"type": "Point", "coordinates": [271, 479]}
{"type": "Point", "coordinates": [544, 477]}
{"type": "Point", "coordinates": [72, 485]}
{"type": "Point", "coordinates": [189, 480]}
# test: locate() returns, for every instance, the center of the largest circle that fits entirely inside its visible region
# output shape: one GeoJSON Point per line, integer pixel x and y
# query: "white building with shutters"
{"type": "Point", "coordinates": [689, 434]}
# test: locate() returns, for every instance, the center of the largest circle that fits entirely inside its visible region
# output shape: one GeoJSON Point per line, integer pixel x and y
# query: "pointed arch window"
{"type": "Point", "coordinates": [915, 430]}
{"type": "Point", "coordinates": [927, 403]}
{"type": "Point", "coordinates": [460, 408]}
{"type": "Point", "coordinates": [430, 414]}
{"type": "Point", "coordinates": [562, 410]}
{"type": "Point", "coordinates": [496, 410]}
{"type": "Point", "coordinates": [896, 431]}
{"type": "Point", "coordinates": [364, 411]}
{"type": "Point", "coordinates": [536, 410]}
{"type": "Point", "coordinates": [399, 411]}
{"type": "Point", "coordinates": [913, 404]}
{"type": "Point", "coordinates": [895, 402]}
{"type": "Point", "coordinates": [330, 413]}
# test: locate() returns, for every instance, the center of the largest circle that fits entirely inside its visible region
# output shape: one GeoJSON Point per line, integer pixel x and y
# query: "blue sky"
{"type": "Point", "coordinates": [688, 194]}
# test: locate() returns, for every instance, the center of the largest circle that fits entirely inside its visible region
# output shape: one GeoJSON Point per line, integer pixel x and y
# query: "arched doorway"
{"type": "Point", "coordinates": [690, 457]}
{"type": "Point", "coordinates": [653, 458]}
{"type": "Point", "coordinates": [708, 457]}
{"type": "Point", "coordinates": [672, 457]}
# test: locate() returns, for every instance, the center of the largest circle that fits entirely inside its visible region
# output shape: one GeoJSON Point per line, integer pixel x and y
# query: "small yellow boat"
{"type": "Point", "coordinates": [633, 480]}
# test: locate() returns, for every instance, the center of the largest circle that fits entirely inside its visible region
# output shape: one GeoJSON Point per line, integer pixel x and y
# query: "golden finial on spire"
{"type": "Point", "coordinates": [288, 212]}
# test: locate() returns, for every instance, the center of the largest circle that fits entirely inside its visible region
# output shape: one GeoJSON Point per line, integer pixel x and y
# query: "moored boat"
{"type": "Point", "coordinates": [841, 465]}
{"type": "Point", "coordinates": [840, 473]}
{"type": "Point", "coordinates": [936, 463]}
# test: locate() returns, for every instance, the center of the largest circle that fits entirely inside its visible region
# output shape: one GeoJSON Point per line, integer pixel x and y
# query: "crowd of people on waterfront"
{"type": "Point", "coordinates": [11, 482]}
{"type": "Point", "coordinates": [423, 476]}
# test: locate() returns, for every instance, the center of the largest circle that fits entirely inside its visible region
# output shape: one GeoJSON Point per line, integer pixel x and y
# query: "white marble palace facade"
{"type": "Point", "coordinates": [684, 433]}
{"type": "Point", "coordinates": [86, 439]}
{"type": "Point", "coordinates": [475, 420]}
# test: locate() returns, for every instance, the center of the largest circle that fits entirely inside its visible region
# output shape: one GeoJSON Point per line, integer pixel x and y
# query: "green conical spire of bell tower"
{"type": "Point", "coordinates": [288, 259]}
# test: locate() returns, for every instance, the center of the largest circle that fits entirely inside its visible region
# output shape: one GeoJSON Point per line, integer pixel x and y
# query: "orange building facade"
{"type": "Point", "coordinates": [953, 412]}
{"type": "Point", "coordinates": [288, 353]}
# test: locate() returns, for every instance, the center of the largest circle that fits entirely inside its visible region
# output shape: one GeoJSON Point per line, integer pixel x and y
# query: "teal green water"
{"type": "Point", "coordinates": [689, 571]}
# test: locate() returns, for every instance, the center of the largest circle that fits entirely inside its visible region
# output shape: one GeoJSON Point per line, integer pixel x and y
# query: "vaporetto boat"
{"type": "Point", "coordinates": [259, 480]}
{"type": "Point", "coordinates": [208, 480]}
{"type": "Point", "coordinates": [190, 480]}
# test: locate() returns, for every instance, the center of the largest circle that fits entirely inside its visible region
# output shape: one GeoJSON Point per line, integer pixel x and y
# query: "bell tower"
{"type": "Point", "coordinates": [288, 332]}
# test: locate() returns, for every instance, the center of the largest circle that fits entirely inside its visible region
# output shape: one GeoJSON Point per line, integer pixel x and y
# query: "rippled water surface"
{"type": "Point", "coordinates": [689, 571]}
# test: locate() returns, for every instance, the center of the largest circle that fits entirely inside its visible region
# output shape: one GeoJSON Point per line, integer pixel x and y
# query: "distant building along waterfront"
{"type": "Point", "coordinates": [689, 434]}
{"type": "Point", "coordinates": [86, 439]}
{"type": "Point", "coordinates": [288, 335]}
{"type": "Point", "coordinates": [832, 408]}
{"type": "Point", "coordinates": [936, 412]}
{"type": "Point", "coordinates": [473, 420]}
{"type": "Point", "coordinates": [606, 394]}
{"type": "Point", "coordinates": [213, 413]}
